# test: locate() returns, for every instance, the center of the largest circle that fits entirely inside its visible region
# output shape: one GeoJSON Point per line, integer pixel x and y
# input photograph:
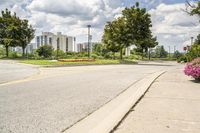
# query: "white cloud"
{"type": "Point", "coordinates": [170, 23]}
{"type": "Point", "coordinates": [173, 26]}
{"type": "Point", "coordinates": [72, 16]}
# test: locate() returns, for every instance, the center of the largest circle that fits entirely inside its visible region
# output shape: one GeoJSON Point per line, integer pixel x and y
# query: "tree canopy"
{"type": "Point", "coordinates": [133, 27]}
{"type": "Point", "coordinates": [14, 31]}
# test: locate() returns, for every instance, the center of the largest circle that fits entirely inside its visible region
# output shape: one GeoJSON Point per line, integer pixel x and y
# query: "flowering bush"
{"type": "Point", "coordinates": [193, 69]}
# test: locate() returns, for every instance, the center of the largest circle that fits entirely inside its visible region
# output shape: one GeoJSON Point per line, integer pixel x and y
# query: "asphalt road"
{"type": "Point", "coordinates": [10, 71]}
{"type": "Point", "coordinates": [55, 98]}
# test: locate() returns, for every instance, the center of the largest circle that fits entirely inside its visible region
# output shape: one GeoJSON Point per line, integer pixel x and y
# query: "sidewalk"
{"type": "Point", "coordinates": [172, 105]}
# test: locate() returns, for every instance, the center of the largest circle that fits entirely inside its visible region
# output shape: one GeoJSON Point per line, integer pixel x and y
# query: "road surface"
{"type": "Point", "coordinates": [55, 98]}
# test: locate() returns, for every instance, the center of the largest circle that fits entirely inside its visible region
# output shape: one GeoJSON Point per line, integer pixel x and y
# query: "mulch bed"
{"type": "Point", "coordinates": [76, 60]}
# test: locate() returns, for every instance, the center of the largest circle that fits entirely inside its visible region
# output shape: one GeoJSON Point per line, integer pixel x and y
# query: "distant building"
{"type": "Point", "coordinates": [29, 48]}
{"type": "Point", "coordinates": [83, 47]}
{"type": "Point", "coordinates": [58, 41]}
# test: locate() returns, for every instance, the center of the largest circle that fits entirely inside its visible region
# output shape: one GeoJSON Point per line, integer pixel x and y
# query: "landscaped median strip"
{"type": "Point", "coordinates": [107, 117]}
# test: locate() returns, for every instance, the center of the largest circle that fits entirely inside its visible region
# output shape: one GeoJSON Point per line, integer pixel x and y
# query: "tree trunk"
{"type": "Point", "coordinates": [149, 54]}
{"type": "Point", "coordinates": [114, 55]}
{"type": "Point", "coordinates": [23, 51]}
{"type": "Point", "coordinates": [121, 53]}
{"type": "Point", "coordinates": [142, 54]}
{"type": "Point", "coordinates": [7, 52]}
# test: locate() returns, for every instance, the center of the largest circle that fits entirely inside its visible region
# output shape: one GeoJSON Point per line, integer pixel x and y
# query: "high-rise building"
{"type": "Point", "coordinates": [58, 41]}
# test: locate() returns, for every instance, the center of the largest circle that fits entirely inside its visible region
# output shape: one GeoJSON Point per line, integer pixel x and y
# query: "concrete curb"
{"type": "Point", "coordinates": [107, 117]}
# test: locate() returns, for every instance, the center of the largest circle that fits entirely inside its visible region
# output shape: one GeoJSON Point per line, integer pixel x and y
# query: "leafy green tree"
{"type": "Point", "coordinates": [194, 52]}
{"type": "Point", "coordinates": [8, 30]}
{"type": "Point", "coordinates": [45, 51]}
{"type": "Point", "coordinates": [138, 24]}
{"type": "Point", "coordinates": [193, 8]}
{"type": "Point", "coordinates": [14, 31]}
{"type": "Point", "coordinates": [196, 10]}
{"type": "Point", "coordinates": [115, 36]}
{"type": "Point", "coordinates": [177, 54]}
{"type": "Point", "coordinates": [197, 41]}
{"type": "Point", "coordinates": [132, 28]}
{"type": "Point", "coordinates": [97, 48]}
{"type": "Point", "coordinates": [26, 34]}
{"type": "Point", "coordinates": [160, 52]}
{"type": "Point", "coordinates": [2, 51]}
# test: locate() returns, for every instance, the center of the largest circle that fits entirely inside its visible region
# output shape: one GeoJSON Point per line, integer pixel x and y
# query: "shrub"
{"type": "Point", "coordinates": [183, 58]}
{"type": "Point", "coordinates": [58, 54]}
{"type": "Point", "coordinates": [193, 69]}
{"type": "Point", "coordinates": [2, 51]}
{"type": "Point", "coordinates": [14, 54]}
{"type": "Point", "coordinates": [45, 51]}
{"type": "Point", "coordinates": [195, 51]}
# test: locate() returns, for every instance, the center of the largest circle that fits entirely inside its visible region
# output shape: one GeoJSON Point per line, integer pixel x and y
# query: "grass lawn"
{"type": "Point", "coordinates": [58, 63]}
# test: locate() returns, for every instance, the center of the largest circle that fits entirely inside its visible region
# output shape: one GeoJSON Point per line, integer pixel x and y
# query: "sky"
{"type": "Point", "coordinates": [172, 26]}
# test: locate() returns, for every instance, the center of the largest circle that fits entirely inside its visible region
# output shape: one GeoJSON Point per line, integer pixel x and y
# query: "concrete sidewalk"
{"type": "Point", "coordinates": [172, 105]}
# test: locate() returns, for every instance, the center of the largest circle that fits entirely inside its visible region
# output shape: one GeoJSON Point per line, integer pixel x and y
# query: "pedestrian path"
{"type": "Point", "coordinates": [172, 105]}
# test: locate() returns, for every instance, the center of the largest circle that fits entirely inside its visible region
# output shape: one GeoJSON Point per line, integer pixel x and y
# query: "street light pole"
{"type": "Point", "coordinates": [89, 26]}
{"type": "Point", "coordinates": [174, 49]}
{"type": "Point", "coordinates": [169, 51]}
{"type": "Point", "coordinates": [27, 47]}
{"type": "Point", "coordinates": [57, 48]}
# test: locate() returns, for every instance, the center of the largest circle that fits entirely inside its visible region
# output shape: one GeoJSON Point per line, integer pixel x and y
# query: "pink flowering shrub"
{"type": "Point", "coordinates": [193, 69]}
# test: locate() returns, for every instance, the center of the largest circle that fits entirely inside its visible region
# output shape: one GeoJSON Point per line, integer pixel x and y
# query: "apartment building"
{"type": "Point", "coordinates": [57, 41]}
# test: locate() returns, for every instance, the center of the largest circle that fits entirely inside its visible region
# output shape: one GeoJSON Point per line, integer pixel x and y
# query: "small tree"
{"type": "Point", "coordinates": [45, 51]}
{"type": "Point", "coordinates": [160, 52]}
{"type": "Point", "coordinates": [197, 41]}
{"type": "Point", "coordinates": [14, 31]}
{"type": "Point", "coordinates": [177, 54]}
{"type": "Point", "coordinates": [193, 8]}
{"type": "Point", "coordinates": [97, 48]}
{"type": "Point", "coordinates": [8, 30]}
{"type": "Point", "coordinates": [115, 36]}
{"type": "Point", "coordinates": [138, 24]}
{"type": "Point", "coordinates": [26, 34]}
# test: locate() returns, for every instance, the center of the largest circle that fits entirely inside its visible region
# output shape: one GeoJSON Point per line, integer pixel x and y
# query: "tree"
{"type": "Point", "coordinates": [177, 54]}
{"type": "Point", "coordinates": [160, 52]}
{"type": "Point", "coordinates": [14, 31]}
{"type": "Point", "coordinates": [45, 51]}
{"type": "Point", "coordinates": [194, 52]}
{"type": "Point", "coordinates": [193, 8]}
{"type": "Point", "coordinates": [138, 23]}
{"type": "Point", "coordinates": [132, 28]}
{"type": "Point", "coordinates": [197, 41]}
{"type": "Point", "coordinates": [8, 30]}
{"type": "Point", "coordinates": [115, 36]}
{"type": "Point", "coordinates": [97, 48]}
{"type": "Point", "coordinates": [26, 34]}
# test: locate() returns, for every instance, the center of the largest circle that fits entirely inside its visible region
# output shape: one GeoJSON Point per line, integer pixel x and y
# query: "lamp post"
{"type": "Point", "coordinates": [169, 51]}
{"type": "Point", "coordinates": [27, 47]}
{"type": "Point", "coordinates": [89, 26]}
{"type": "Point", "coordinates": [57, 47]}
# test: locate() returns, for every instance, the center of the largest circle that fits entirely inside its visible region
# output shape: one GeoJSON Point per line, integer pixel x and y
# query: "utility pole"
{"type": "Point", "coordinates": [169, 51]}
{"type": "Point", "coordinates": [27, 47]}
{"type": "Point", "coordinates": [57, 47]}
{"type": "Point", "coordinates": [174, 49]}
{"type": "Point", "coordinates": [89, 26]}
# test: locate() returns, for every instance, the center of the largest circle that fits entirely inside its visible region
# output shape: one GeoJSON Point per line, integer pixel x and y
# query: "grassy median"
{"type": "Point", "coordinates": [59, 63]}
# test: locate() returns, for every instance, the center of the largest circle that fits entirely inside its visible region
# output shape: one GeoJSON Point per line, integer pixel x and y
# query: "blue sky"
{"type": "Point", "coordinates": [171, 25]}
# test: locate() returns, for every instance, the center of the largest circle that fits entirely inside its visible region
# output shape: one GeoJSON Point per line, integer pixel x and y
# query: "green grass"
{"type": "Point", "coordinates": [161, 59]}
{"type": "Point", "coordinates": [97, 62]}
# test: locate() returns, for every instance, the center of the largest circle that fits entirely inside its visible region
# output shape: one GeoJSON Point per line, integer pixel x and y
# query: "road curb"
{"type": "Point", "coordinates": [105, 119]}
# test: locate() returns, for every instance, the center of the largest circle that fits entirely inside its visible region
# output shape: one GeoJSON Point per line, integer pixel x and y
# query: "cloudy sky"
{"type": "Point", "coordinates": [171, 25]}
